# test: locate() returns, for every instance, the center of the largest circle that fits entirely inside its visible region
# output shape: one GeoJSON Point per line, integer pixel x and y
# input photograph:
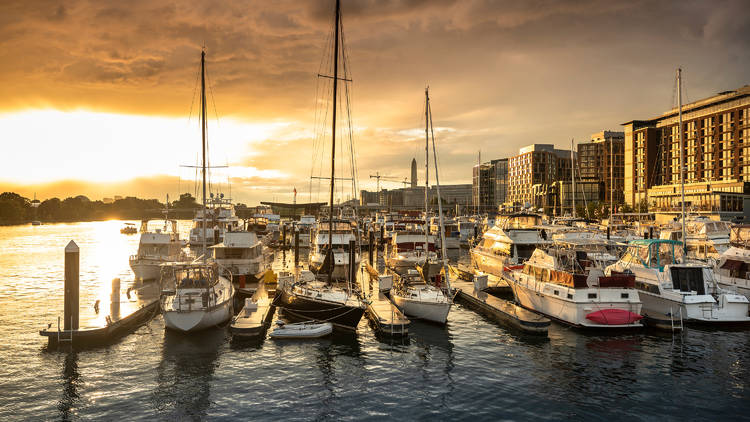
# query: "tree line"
{"type": "Point", "coordinates": [16, 209]}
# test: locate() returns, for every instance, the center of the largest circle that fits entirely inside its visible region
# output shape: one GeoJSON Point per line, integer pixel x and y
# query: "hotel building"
{"type": "Point", "coordinates": [716, 134]}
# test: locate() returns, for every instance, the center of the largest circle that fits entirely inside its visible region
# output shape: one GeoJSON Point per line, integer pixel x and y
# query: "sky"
{"type": "Point", "coordinates": [99, 97]}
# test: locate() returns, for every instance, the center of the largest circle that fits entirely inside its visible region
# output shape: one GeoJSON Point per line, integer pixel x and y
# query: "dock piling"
{"type": "Point", "coordinates": [114, 299]}
{"type": "Point", "coordinates": [283, 235]}
{"type": "Point", "coordinates": [70, 314]}
{"type": "Point", "coordinates": [296, 247]}
{"type": "Point", "coordinates": [352, 267]}
{"type": "Point", "coordinates": [371, 240]}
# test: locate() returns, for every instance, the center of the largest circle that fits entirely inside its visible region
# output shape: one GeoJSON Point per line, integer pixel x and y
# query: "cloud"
{"type": "Point", "coordinates": [502, 74]}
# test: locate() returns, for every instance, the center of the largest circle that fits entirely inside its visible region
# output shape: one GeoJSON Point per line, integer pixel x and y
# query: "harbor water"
{"type": "Point", "coordinates": [472, 369]}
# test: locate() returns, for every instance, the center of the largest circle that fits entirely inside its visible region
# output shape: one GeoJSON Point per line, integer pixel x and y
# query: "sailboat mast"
{"type": "Point", "coordinates": [573, 177]}
{"type": "Point", "coordinates": [426, 165]}
{"type": "Point", "coordinates": [333, 134]}
{"type": "Point", "coordinates": [682, 153]}
{"type": "Point", "coordinates": [203, 143]}
{"type": "Point", "coordinates": [439, 200]}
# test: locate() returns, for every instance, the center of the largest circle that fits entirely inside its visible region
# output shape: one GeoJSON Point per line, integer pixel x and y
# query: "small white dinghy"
{"type": "Point", "coordinates": [307, 329]}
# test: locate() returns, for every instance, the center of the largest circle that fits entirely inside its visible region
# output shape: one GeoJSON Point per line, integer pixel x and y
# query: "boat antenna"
{"type": "Point", "coordinates": [203, 143]}
{"type": "Point", "coordinates": [573, 177]}
{"type": "Point", "coordinates": [333, 134]}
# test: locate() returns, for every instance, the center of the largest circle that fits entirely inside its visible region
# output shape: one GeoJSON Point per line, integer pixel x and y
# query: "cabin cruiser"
{"type": "Point", "coordinates": [706, 239]}
{"type": "Point", "coordinates": [731, 268]}
{"type": "Point", "coordinates": [343, 234]}
{"type": "Point", "coordinates": [408, 250]}
{"type": "Point", "coordinates": [310, 297]}
{"type": "Point", "coordinates": [155, 248]}
{"type": "Point", "coordinates": [511, 242]}
{"type": "Point", "coordinates": [219, 218]}
{"type": "Point", "coordinates": [418, 299]}
{"type": "Point", "coordinates": [242, 254]}
{"type": "Point", "coordinates": [129, 228]}
{"type": "Point", "coordinates": [667, 286]}
{"type": "Point", "coordinates": [564, 283]}
{"type": "Point", "coordinates": [195, 296]}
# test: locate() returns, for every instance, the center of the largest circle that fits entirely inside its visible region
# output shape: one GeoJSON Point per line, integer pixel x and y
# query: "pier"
{"type": "Point", "coordinates": [90, 327]}
{"type": "Point", "coordinates": [386, 318]}
{"type": "Point", "coordinates": [499, 310]}
{"type": "Point", "coordinates": [255, 317]}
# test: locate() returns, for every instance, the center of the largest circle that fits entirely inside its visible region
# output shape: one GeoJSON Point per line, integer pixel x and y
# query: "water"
{"type": "Point", "coordinates": [471, 369]}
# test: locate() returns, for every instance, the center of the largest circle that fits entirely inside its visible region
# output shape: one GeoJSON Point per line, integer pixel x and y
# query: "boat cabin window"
{"type": "Point", "coordinates": [522, 222]}
{"type": "Point", "coordinates": [592, 295]}
{"type": "Point", "coordinates": [525, 251]}
{"type": "Point", "coordinates": [624, 295]}
{"type": "Point", "coordinates": [688, 279]}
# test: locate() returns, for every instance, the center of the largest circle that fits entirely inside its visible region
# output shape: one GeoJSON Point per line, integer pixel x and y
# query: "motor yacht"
{"type": "Point", "coordinates": [343, 233]}
{"type": "Point", "coordinates": [731, 269]}
{"type": "Point", "coordinates": [242, 253]}
{"type": "Point", "coordinates": [511, 242]}
{"type": "Point", "coordinates": [669, 286]}
{"type": "Point", "coordinates": [563, 282]}
{"type": "Point", "coordinates": [156, 247]}
{"type": "Point", "coordinates": [219, 217]}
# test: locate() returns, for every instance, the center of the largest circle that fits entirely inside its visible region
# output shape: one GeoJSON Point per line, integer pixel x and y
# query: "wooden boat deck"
{"type": "Point", "coordinates": [114, 319]}
{"type": "Point", "coordinates": [502, 311]}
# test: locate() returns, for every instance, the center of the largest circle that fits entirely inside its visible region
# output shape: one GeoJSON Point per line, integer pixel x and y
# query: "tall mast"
{"type": "Point", "coordinates": [203, 142]}
{"type": "Point", "coordinates": [611, 178]}
{"type": "Point", "coordinates": [426, 164]}
{"type": "Point", "coordinates": [682, 153]}
{"type": "Point", "coordinates": [333, 135]}
{"type": "Point", "coordinates": [573, 178]}
{"type": "Point", "coordinates": [440, 202]}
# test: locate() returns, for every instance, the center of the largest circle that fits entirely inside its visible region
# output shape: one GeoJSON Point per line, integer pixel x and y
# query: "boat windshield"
{"type": "Point", "coordinates": [194, 277]}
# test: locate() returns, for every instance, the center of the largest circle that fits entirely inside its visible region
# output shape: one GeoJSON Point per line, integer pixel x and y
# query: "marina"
{"type": "Point", "coordinates": [342, 210]}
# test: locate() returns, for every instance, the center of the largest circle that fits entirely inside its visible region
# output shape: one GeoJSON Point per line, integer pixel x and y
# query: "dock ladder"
{"type": "Point", "coordinates": [61, 334]}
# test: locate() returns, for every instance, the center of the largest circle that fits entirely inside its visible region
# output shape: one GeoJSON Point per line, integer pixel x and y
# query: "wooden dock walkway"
{"type": "Point", "coordinates": [385, 316]}
{"type": "Point", "coordinates": [502, 311]}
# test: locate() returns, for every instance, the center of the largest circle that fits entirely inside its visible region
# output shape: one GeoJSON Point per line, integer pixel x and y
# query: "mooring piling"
{"type": "Point", "coordinates": [72, 278]}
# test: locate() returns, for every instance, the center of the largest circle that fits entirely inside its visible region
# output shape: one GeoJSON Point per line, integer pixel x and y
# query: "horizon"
{"type": "Point", "coordinates": [102, 101]}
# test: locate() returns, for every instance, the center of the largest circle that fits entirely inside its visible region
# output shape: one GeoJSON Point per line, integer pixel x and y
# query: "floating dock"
{"type": "Point", "coordinates": [385, 316]}
{"type": "Point", "coordinates": [495, 285]}
{"type": "Point", "coordinates": [502, 311]}
{"type": "Point", "coordinates": [126, 314]}
{"type": "Point", "coordinates": [255, 317]}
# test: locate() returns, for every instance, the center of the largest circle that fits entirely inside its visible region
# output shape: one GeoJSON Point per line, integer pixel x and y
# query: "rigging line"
{"type": "Point", "coordinates": [213, 98]}
{"type": "Point", "coordinates": [195, 88]}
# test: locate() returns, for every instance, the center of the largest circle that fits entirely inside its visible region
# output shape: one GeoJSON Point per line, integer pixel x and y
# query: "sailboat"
{"type": "Point", "coordinates": [418, 297]}
{"type": "Point", "coordinates": [195, 295]}
{"type": "Point", "coordinates": [321, 296]}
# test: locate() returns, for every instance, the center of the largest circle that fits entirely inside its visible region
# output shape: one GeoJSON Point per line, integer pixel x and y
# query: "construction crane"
{"type": "Point", "coordinates": [378, 176]}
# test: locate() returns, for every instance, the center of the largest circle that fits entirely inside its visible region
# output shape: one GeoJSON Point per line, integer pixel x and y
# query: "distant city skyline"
{"type": "Point", "coordinates": [97, 98]}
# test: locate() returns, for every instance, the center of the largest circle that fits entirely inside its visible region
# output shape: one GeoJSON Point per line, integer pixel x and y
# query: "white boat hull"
{"type": "Point", "coordinates": [435, 312]}
{"type": "Point", "coordinates": [570, 312]}
{"type": "Point", "coordinates": [189, 321]}
{"type": "Point", "coordinates": [702, 310]}
{"type": "Point", "coordinates": [146, 270]}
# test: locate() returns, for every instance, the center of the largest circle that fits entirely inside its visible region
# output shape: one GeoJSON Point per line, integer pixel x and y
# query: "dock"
{"type": "Point", "coordinates": [255, 316]}
{"type": "Point", "coordinates": [386, 318]}
{"type": "Point", "coordinates": [495, 285]}
{"type": "Point", "coordinates": [499, 310]}
{"type": "Point", "coordinates": [116, 319]}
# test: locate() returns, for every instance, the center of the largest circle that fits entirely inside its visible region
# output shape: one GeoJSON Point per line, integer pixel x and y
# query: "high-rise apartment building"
{"type": "Point", "coordinates": [534, 170]}
{"type": "Point", "coordinates": [489, 185]}
{"type": "Point", "coordinates": [716, 146]}
{"type": "Point", "coordinates": [603, 159]}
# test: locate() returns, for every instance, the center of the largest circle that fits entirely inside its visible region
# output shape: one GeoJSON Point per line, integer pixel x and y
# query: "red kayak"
{"type": "Point", "coordinates": [613, 317]}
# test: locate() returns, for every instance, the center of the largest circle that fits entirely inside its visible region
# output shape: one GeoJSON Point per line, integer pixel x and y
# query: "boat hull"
{"type": "Point", "coordinates": [573, 313]}
{"type": "Point", "coordinates": [310, 309]}
{"type": "Point", "coordinates": [489, 264]}
{"type": "Point", "coordinates": [706, 312]}
{"type": "Point", "coordinates": [145, 270]}
{"type": "Point", "coordinates": [433, 312]}
{"type": "Point", "coordinates": [190, 321]}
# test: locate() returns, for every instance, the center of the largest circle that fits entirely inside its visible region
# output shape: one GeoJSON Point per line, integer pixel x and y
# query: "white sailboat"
{"type": "Point", "coordinates": [417, 297]}
{"type": "Point", "coordinates": [195, 295]}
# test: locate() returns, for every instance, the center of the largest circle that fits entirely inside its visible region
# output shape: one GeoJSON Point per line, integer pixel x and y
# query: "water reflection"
{"type": "Point", "coordinates": [185, 372]}
{"type": "Point", "coordinates": [70, 381]}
